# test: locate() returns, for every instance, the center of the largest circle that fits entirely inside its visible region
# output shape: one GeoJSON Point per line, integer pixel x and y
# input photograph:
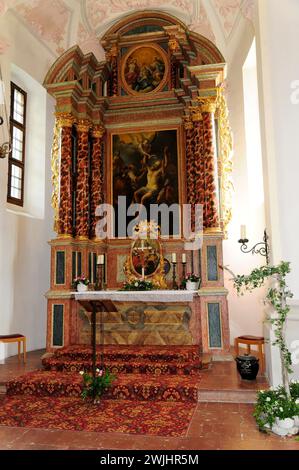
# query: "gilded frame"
{"type": "Point", "coordinates": [125, 58]}
{"type": "Point", "coordinates": [180, 164]}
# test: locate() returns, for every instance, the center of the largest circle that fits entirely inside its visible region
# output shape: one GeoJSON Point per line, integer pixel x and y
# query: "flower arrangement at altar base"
{"type": "Point", "coordinates": [95, 386]}
{"type": "Point", "coordinates": [81, 283]}
{"type": "Point", "coordinates": [139, 285]}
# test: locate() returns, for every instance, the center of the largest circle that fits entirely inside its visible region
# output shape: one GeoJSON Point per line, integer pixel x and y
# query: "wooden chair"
{"type": "Point", "coordinates": [17, 338]}
{"type": "Point", "coordinates": [252, 341]}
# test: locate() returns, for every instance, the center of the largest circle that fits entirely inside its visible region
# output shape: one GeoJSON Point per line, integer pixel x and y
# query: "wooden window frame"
{"type": "Point", "coordinates": [12, 161]}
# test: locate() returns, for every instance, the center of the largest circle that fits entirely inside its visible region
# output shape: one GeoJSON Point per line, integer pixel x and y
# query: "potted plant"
{"type": "Point", "coordinates": [278, 412]}
{"type": "Point", "coordinates": [81, 283]}
{"type": "Point", "coordinates": [191, 281]}
{"type": "Point", "coordinates": [276, 409]}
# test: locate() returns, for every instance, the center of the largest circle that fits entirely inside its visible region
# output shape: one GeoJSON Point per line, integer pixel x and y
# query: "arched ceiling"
{"type": "Point", "coordinates": [60, 24]}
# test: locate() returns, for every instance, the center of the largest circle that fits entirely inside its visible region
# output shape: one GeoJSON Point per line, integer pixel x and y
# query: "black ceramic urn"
{"type": "Point", "coordinates": [248, 366]}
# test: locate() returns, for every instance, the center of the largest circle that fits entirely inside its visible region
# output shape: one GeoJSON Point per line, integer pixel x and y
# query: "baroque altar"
{"type": "Point", "coordinates": [148, 124]}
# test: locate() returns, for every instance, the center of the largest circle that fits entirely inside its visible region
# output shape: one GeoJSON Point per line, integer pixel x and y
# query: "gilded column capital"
{"type": "Point", "coordinates": [208, 104]}
{"type": "Point", "coordinates": [65, 119]}
{"type": "Point", "coordinates": [112, 53]}
{"type": "Point", "coordinates": [195, 113]}
{"type": "Point", "coordinates": [98, 131]}
{"type": "Point", "coordinates": [83, 125]}
{"type": "Point", "coordinates": [173, 45]}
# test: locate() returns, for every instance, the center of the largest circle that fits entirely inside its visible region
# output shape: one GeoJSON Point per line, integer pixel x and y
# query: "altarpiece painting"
{"type": "Point", "coordinates": [145, 169]}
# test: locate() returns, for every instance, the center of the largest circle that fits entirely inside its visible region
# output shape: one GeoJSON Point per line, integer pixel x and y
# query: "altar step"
{"type": "Point", "coordinates": [126, 387]}
{"type": "Point", "coordinates": [117, 352]}
{"type": "Point", "coordinates": [150, 360]}
{"type": "Point", "coordinates": [157, 368]}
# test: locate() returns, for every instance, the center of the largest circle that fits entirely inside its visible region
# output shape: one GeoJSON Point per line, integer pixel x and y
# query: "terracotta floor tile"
{"type": "Point", "coordinates": [228, 426]}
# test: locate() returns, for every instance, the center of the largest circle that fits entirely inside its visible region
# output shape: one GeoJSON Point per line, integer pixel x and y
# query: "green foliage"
{"type": "Point", "coordinates": [139, 284]}
{"type": "Point", "coordinates": [272, 404]}
{"type": "Point", "coordinates": [80, 280]}
{"type": "Point", "coordinates": [277, 296]}
{"type": "Point", "coordinates": [94, 387]}
{"type": "Point", "coordinates": [294, 389]}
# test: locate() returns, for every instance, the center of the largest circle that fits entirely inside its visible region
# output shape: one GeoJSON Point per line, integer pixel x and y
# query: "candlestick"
{"type": "Point", "coordinates": [100, 281]}
{"type": "Point", "coordinates": [243, 232]}
{"type": "Point", "coordinates": [174, 284]}
{"type": "Point", "coordinates": [183, 284]}
{"type": "Point", "coordinates": [184, 258]}
{"type": "Point", "coordinates": [101, 260]}
{"type": "Point", "coordinates": [261, 248]}
{"type": "Point", "coordinates": [173, 257]}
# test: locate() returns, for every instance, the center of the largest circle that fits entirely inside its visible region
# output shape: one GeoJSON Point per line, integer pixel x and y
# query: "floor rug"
{"type": "Point", "coordinates": [155, 418]}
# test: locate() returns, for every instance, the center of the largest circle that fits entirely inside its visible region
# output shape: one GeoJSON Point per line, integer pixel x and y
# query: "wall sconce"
{"type": "Point", "coordinates": [261, 248]}
{"type": "Point", "coordinates": [5, 147]}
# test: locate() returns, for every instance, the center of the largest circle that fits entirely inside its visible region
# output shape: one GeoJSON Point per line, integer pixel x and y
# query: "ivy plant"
{"type": "Point", "coordinates": [277, 295]}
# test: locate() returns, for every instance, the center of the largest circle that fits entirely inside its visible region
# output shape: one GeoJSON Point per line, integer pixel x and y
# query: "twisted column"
{"type": "Point", "coordinates": [64, 224]}
{"type": "Point", "coordinates": [82, 193]}
{"type": "Point", "coordinates": [96, 175]}
{"type": "Point", "coordinates": [211, 199]}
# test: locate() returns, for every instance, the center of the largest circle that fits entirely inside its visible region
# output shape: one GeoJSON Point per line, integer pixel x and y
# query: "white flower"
{"type": "Point", "coordinates": [268, 399]}
{"type": "Point", "coordinates": [81, 372]}
{"type": "Point", "coordinates": [97, 370]}
{"type": "Point", "coordinates": [280, 409]}
{"type": "Point", "coordinates": [136, 284]}
{"type": "Point", "coordinates": [297, 401]}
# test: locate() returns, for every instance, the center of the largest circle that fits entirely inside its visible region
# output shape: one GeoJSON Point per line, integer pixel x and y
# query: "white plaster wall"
{"type": "Point", "coordinates": [24, 253]}
{"type": "Point", "coordinates": [277, 31]}
{"type": "Point", "coordinates": [245, 312]}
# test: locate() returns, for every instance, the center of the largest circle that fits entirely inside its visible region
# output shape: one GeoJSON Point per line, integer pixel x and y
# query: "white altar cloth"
{"type": "Point", "coordinates": [161, 296]}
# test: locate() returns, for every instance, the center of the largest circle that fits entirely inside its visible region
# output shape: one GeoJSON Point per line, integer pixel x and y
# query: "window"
{"type": "Point", "coordinates": [15, 194]}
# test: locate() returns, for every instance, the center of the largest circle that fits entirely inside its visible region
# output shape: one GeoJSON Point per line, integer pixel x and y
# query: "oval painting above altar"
{"type": "Point", "coordinates": [145, 256]}
{"type": "Point", "coordinates": [144, 69]}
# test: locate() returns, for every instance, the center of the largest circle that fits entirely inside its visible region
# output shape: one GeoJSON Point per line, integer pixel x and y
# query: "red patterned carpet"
{"type": "Point", "coordinates": [155, 418]}
{"type": "Point", "coordinates": [128, 386]}
{"type": "Point", "coordinates": [155, 391]}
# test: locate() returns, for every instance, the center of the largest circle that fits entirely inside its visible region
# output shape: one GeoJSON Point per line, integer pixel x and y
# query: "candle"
{"type": "Point", "coordinates": [173, 257]}
{"type": "Point", "coordinates": [101, 259]}
{"type": "Point", "coordinates": [184, 259]}
{"type": "Point", "coordinates": [243, 232]}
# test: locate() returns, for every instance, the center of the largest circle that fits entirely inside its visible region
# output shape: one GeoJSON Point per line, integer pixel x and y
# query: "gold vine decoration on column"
{"type": "Point", "coordinates": [62, 120]}
{"type": "Point", "coordinates": [225, 165]}
{"type": "Point", "coordinates": [55, 168]}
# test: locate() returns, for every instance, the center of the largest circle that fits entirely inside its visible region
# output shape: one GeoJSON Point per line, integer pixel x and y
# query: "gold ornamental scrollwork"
{"type": "Point", "coordinates": [173, 45]}
{"type": "Point", "coordinates": [208, 104]}
{"type": "Point", "coordinates": [188, 124]}
{"type": "Point", "coordinates": [111, 53]}
{"type": "Point", "coordinates": [196, 114]}
{"type": "Point", "coordinates": [65, 119]}
{"type": "Point", "coordinates": [98, 132]}
{"type": "Point", "coordinates": [225, 164]}
{"type": "Point", "coordinates": [84, 125]}
{"type": "Point", "coordinates": [62, 120]}
{"type": "Point", "coordinates": [55, 168]}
